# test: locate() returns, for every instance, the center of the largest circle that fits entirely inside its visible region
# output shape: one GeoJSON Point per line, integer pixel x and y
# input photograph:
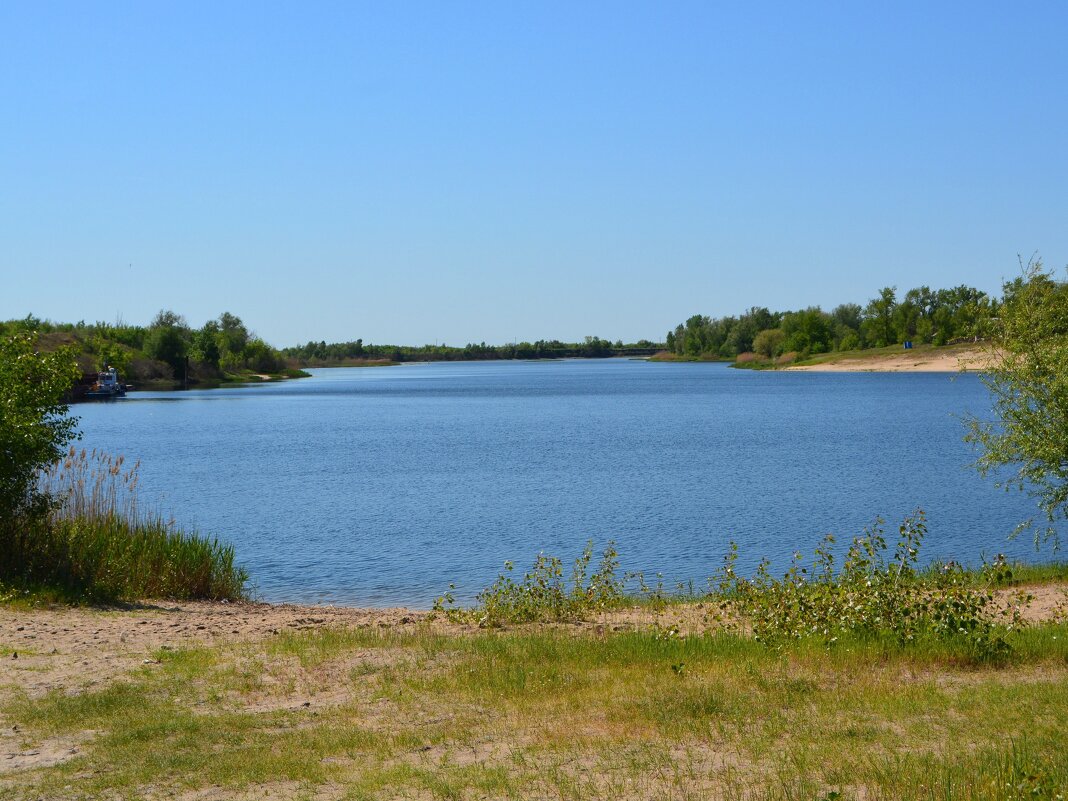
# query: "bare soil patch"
{"type": "Point", "coordinates": [73, 649]}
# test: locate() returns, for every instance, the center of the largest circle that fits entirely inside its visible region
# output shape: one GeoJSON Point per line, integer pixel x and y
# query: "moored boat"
{"type": "Point", "coordinates": [107, 385]}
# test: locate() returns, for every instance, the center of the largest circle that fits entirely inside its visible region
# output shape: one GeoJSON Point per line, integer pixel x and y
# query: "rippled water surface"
{"type": "Point", "coordinates": [380, 486]}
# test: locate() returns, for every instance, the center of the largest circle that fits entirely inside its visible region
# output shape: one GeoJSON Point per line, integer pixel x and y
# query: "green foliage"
{"type": "Point", "coordinates": [1029, 386]}
{"type": "Point", "coordinates": [34, 426]}
{"type": "Point", "coordinates": [93, 544]}
{"type": "Point", "coordinates": [879, 317]}
{"type": "Point", "coordinates": [808, 331]}
{"type": "Point", "coordinates": [205, 345]}
{"type": "Point", "coordinates": [876, 594]}
{"type": "Point", "coordinates": [168, 350]}
{"type": "Point", "coordinates": [941, 317]}
{"type": "Point", "coordinates": [109, 353]}
{"type": "Point", "coordinates": [339, 353]}
{"type": "Point", "coordinates": [168, 341]}
{"type": "Point", "coordinates": [769, 343]}
{"type": "Point", "coordinates": [543, 594]}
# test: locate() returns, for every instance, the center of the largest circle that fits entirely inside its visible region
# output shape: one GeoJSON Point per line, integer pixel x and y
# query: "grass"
{"type": "Point", "coordinates": [670, 356]}
{"type": "Point", "coordinates": [93, 544]}
{"type": "Point", "coordinates": [905, 709]}
{"type": "Point", "coordinates": [548, 714]}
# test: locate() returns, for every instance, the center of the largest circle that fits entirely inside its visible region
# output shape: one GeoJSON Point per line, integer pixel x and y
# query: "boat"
{"type": "Point", "coordinates": [107, 385]}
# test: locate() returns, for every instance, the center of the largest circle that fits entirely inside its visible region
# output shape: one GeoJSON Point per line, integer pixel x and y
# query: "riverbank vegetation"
{"type": "Point", "coordinates": [92, 543]}
{"type": "Point", "coordinates": [70, 527]}
{"type": "Point", "coordinates": [1028, 382]}
{"type": "Point", "coordinates": [876, 594]}
{"type": "Point", "coordinates": [760, 336]}
{"type": "Point", "coordinates": [338, 354]}
{"type": "Point", "coordinates": [167, 353]}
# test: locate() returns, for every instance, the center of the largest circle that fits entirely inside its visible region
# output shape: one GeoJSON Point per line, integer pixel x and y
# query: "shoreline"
{"type": "Point", "coordinates": [54, 648]}
{"type": "Point", "coordinates": [915, 361]}
{"type": "Point", "coordinates": [215, 701]}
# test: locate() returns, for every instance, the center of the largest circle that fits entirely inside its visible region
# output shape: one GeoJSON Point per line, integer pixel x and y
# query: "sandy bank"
{"type": "Point", "coordinates": [925, 361]}
{"type": "Point", "coordinates": [71, 649]}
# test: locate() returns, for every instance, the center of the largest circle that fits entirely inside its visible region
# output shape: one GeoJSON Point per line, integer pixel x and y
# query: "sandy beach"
{"type": "Point", "coordinates": [70, 649]}
{"type": "Point", "coordinates": [916, 361]}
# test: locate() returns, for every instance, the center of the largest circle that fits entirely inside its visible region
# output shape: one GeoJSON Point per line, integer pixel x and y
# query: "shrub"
{"type": "Point", "coordinates": [543, 594]}
{"type": "Point", "coordinates": [874, 595]}
{"type": "Point", "coordinates": [34, 427]}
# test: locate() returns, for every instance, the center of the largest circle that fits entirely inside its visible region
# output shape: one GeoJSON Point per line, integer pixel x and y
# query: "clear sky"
{"type": "Point", "coordinates": [417, 172]}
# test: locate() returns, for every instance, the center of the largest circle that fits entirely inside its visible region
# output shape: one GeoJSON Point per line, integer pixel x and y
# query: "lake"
{"type": "Point", "coordinates": [380, 486]}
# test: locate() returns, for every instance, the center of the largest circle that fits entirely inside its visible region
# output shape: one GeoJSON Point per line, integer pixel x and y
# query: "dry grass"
{"type": "Point", "coordinates": [414, 711]}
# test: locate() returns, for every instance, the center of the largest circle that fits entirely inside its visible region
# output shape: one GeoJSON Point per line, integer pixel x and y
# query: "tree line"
{"type": "Point", "coordinates": [167, 350]}
{"type": "Point", "coordinates": [923, 315]}
{"type": "Point", "coordinates": [321, 354]}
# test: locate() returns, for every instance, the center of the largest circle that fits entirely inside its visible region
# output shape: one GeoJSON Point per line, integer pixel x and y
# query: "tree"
{"type": "Point", "coordinates": [808, 330]}
{"type": "Point", "coordinates": [34, 427]}
{"type": "Point", "coordinates": [205, 345]}
{"type": "Point", "coordinates": [879, 316]}
{"type": "Point", "coordinates": [233, 338]}
{"type": "Point", "coordinates": [768, 343]}
{"type": "Point", "coordinates": [167, 340]}
{"type": "Point", "coordinates": [1028, 380]}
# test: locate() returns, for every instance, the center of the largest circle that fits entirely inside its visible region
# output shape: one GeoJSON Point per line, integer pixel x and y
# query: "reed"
{"type": "Point", "coordinates": [95, 543]}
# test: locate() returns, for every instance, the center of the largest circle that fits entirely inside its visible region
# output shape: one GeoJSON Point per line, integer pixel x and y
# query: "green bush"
{"type": "Point", "coordinates": [34, 426]}
{"type": "Point", "coordinates": [543, 594]}
{"type": "Point", "coordinates": [875, 594]}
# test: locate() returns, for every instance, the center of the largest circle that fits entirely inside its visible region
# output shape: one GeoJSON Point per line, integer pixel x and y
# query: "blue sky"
{"type": "Point", "coordinates": [452, 172]}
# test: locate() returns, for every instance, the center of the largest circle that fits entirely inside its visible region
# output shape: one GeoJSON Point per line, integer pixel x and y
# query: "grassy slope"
{"type": "Point", "coordinates": [533, 713]}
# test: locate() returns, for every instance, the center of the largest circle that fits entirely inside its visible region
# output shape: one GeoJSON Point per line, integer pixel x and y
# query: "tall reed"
{"type": "Point", "coordinates": [95, 543]}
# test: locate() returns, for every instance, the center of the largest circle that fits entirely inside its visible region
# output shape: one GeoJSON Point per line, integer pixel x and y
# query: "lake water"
{"type": "Point", "coordinates": [380, 486]}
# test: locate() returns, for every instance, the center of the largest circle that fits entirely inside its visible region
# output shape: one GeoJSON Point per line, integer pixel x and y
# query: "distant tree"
{"type": "Point", "coordinates": [205, 345]}
{"type": "Point", "coordinates": [848, 315]}
{"type": "Point", "coordinates": [809, 330]}
{"type": "Point", "coordinates": [596, 347]}
{"type": "Point", "coordinates": [879, 317]}
{"type": "Point", "coordinates": [168, 340]}
{"type": "Point", "coordinates": [261, 357]}
{"type": "Point", "coordinates": [768, 343]}
{"type": "Point", "coordinates": [848, 340]}
{"type": "Point", "coordinates": [744, 331]}
{"type": "Point", "coordinates": [906, 316]}
{"type": "Point", "coordinates": [233, 337]}
{"type": "Point", "coordinates": [109, 353]}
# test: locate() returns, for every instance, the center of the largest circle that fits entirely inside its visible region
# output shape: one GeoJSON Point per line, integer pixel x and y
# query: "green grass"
{"type": "Point", "coordinates": [91, 543]}
{"type": "Point", "coordinates": [524, 714]}
{"type": "Point", "coordinates": [113, 559]}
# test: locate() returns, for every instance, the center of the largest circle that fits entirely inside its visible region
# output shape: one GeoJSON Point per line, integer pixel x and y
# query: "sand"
{"type": "Point", "coordinates": [74, 649]}
{"type": "Point", "coordinates": [921, 361]}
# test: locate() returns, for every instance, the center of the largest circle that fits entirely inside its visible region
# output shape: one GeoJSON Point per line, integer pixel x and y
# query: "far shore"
{"type": "Point", "coordinates": [907, 361]}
